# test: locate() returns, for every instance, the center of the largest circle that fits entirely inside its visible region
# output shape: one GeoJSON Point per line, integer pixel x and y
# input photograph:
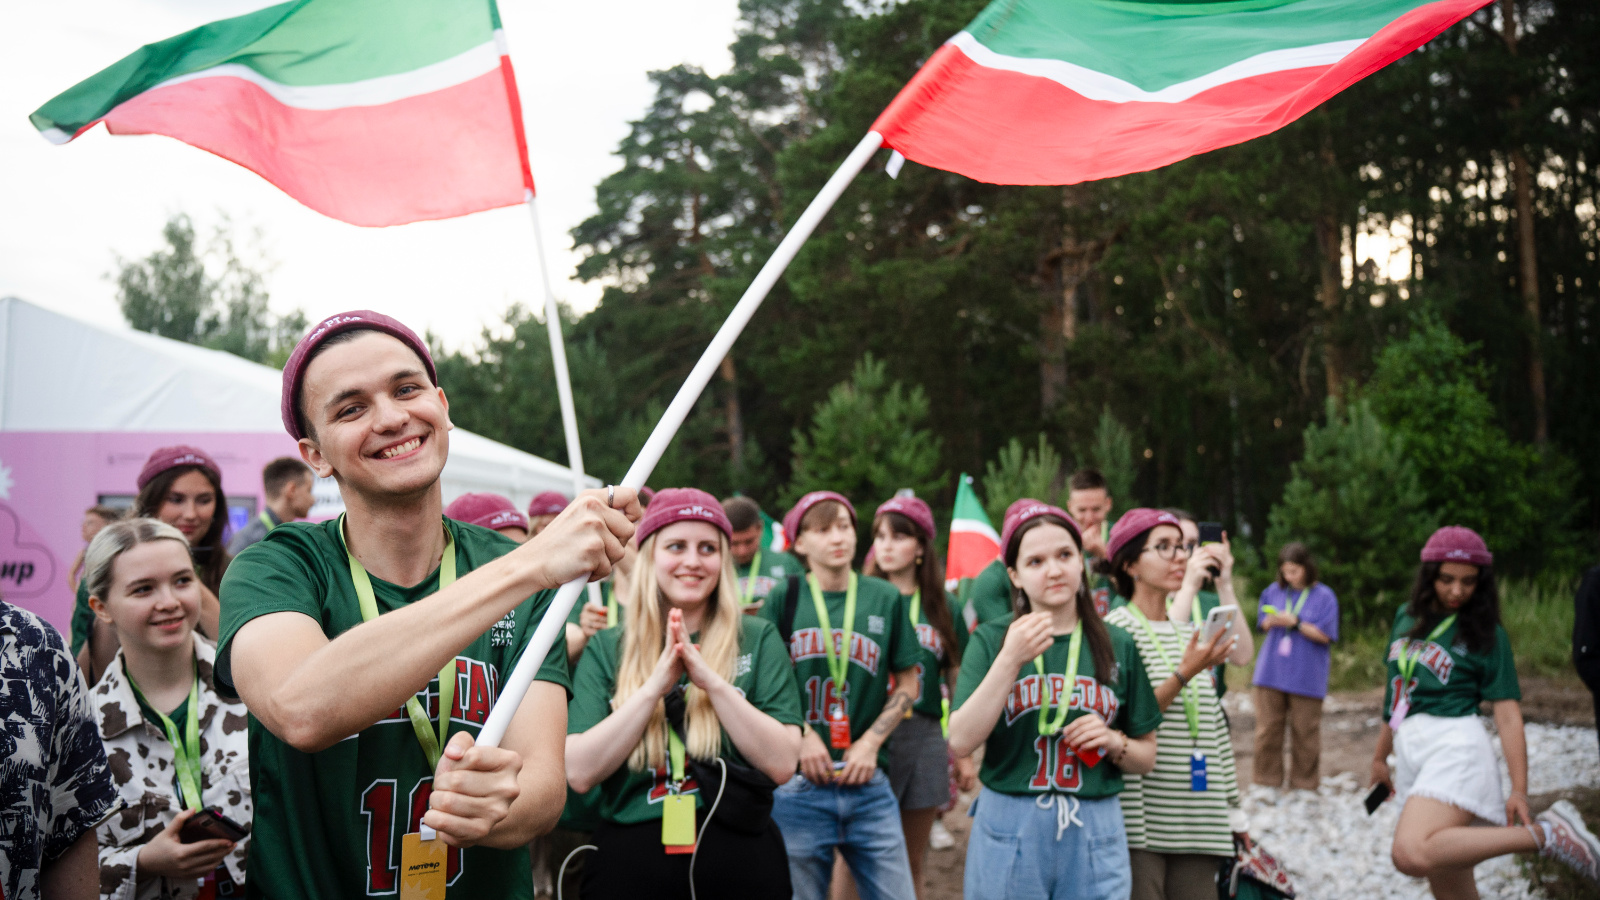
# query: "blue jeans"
{"type": "Point", "coordinates": [1046, 847]}
{"type": "Point", "coordinates": [863, 822]}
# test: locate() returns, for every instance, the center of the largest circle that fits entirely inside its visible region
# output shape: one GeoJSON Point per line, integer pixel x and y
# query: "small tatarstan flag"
{"type": "Point", "coordinates": [973, 541]}
{"type": "Point", "coordinates": [1064, 91]}
{"type": "Point", "coordinates": [374, 112]}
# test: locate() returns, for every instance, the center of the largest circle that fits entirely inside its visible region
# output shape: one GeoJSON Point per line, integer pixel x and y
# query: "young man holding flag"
{"type": "Point", "coordinates": [370, 648]}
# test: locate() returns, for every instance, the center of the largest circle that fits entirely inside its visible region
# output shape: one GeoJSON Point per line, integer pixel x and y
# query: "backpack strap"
{"type": "Point", "coordinates": [791, 602]}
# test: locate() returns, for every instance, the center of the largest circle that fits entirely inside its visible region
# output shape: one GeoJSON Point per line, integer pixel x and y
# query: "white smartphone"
{"type": "Point", "coordinates": [1218, 621]}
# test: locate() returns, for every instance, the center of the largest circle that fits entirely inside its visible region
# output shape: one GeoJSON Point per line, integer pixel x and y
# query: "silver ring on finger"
{"type": "Point", "coordinates": [611, 495]}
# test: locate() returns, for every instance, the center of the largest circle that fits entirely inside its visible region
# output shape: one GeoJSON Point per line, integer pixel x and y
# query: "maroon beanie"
{"type": "Point", "coordinates": [1024, 511]}
{"type": "Point", "coordinates": [488, 510]}
{"type": "Point", "coordinates": [672, 505]}
{"type": "Point", "coordinates": [173, 457]}
{"type": "Point", "coordinates": [791, 520]}
{"type": "Point", "coordinates": [294, 371]}
{"type": "Point", "coordinates": [1135, 522]}
{"type": "Point", "coordinates": [548, 503]}
{"type": "Point", "coordinates": [1453, 543]}
{"type": "Point", "coordinates": [916, 510]}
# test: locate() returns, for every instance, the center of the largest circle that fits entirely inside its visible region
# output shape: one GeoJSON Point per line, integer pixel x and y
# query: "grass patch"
{"type": "Point", "coordinates": [1536, 613]}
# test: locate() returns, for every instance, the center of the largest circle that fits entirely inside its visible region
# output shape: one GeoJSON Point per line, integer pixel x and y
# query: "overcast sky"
{"type": "Point", "coordinates": [67, 212]}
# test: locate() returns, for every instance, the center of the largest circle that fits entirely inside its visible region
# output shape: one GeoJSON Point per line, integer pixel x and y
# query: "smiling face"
{"type": "Point", "coordinates": [377, 423]}
{"type": "Point", "coordinates": [830, 545]}
{"type": "Point", "coordinates": [154, 598]}
{"type": "Point", "coordinates": [1455, 584]}
{"type": "Point", "coordinates": [894, 552]}
{"type": "Point", "coordinates": [688, 562]}
{"type": "Point", "coordinates": [1163, 561]}
{"type": "Point", "coordinates": [1049, 567]}
{"type": "Point", "coordinates": [190, 505]}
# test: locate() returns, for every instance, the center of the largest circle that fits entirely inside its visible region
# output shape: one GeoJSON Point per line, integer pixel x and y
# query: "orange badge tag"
{"type": "Point", "coordinates": [839, 729]}
{"type": "Point", "coordinates": [423, 868]}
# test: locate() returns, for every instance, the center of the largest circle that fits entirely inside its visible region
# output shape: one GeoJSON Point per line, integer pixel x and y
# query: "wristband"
{"type": "Point", "coordinates": [1182, 681]}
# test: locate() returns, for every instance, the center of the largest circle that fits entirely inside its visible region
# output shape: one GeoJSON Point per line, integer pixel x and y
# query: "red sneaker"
{"type": "Point", "coordinates": [1568, 840]}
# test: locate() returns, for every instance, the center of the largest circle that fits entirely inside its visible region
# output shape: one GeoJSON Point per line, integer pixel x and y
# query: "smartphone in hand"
{"type": "Point", "coordinates": [1380, 793]}
{"type": "Point", "coordinates": [1211, 533]}
{"type": "Point", "coordinates": [1217, 621]}
{"type": "Point", "coordinates": [209, 825]}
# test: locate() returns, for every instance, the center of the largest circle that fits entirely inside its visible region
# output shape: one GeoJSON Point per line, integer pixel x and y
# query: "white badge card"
{"type": "Point", "coordinates": [1285, 645]}
{"type": "Point", "coordinates": [1401, 706]}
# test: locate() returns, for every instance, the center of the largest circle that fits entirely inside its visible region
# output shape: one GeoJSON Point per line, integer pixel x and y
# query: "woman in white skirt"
{"type": "Point", "coordinates": [1447, 654]}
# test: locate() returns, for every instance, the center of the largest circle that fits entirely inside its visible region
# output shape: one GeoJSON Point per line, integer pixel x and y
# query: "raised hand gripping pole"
{"type": "Point", "coordinates": [552, 625]}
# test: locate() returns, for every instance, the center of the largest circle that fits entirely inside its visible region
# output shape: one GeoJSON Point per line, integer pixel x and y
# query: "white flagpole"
{"type": "Point", "coordinates": [558, 356]}
{"type": "Point", "coordinates": [552, 625]}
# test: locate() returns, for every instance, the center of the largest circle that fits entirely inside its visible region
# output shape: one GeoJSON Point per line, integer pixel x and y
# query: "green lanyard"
{"type": "Point", "coordinates": [432, 746]}
{"type": "Point", "coordinates": [675, 753]}
{"type": "Point", "coordinates": [185, 752]}
{"type": "Point", "coordinates": [1191, 693]}
{"type": "Point", "coordinates": [611, 607]}
{"type": "Point", "coordinates": [1049, 724]}
{"type": "Point", "coordinates": [1407, 666]}
{"type": "Point", "coordinates": [1299, 603]}
{"type": "Point", "coordinates": [750, 580]}
{"type": "Point", "coordinates": [916, 607]}
{"type": "Point", "coordinates": [267, 521]}
{"type": "Point", "coordinates": [838, 660]}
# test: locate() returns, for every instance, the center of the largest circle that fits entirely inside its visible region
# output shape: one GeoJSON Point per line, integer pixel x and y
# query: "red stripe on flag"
{"type": "Point", "coordinates": [434, 156]}
{"type": "Point", "coordinates": [516, 121]}
{"type": "Point", "coordinates": [1005, 127]}
{"type": "Point", "coordinates": [969, 554]}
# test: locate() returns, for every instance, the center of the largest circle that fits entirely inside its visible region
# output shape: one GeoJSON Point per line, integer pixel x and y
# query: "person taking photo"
{"type": "Point", "coordinates": [1182, 814]}
{"type": "Point", "coordinates": [395, 626]}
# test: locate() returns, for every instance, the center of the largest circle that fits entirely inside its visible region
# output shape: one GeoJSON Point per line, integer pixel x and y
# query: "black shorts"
{"type": "Point", "coordinates": [630, 864]}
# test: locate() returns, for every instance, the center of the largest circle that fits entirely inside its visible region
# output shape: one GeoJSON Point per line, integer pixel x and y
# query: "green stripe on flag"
{"type": "Point", "coordinates": [1156, 45]}
{"type": "Point", "coordinates": [303, 43]}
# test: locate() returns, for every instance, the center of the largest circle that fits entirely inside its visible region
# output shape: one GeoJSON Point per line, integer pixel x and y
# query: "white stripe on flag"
{"type": "Point", "coordinates": [447, 73]}
{"type": "Point", "coordinates": [970, 526]}
{"type": "Point", "coordinates": [1111, 89]}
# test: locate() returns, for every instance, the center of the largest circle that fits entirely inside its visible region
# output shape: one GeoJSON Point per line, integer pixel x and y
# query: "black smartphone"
{"type": "Point", "coordinates": [1380, 793]}
{"type": "Point", "coordinates": [209, 825]}
{"type": "Point", "coordinates": [1211, 533]}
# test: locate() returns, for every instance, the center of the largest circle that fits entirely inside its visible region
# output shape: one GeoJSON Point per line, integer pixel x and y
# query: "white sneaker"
{"type": "Point", "coordinates": [940, 837]}
{"type": "Point", "coordinates": [1569, 840]}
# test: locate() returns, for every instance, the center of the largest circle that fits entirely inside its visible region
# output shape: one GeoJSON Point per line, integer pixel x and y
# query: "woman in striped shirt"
{"type": "Point", "coordinates": [1181, 817]}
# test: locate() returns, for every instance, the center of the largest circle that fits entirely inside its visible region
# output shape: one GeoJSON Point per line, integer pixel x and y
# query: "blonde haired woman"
{"type": "Point", "coordinates": [159, 714]}
{"type": "Point", "coordinates": [684, 656]}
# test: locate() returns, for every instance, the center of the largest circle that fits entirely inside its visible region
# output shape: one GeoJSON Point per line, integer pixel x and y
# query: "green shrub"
{"type": "Point", "coordinates": [1018, 473]}
{"type": "Point", "coordinates": [867, 440]}
{"type": "Point", "coordinates": [1355, 501]}
{"type": "Point", "coordinates": [1431, 392]}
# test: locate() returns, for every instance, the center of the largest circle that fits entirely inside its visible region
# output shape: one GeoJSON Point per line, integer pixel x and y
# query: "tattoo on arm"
{"type": "Point", "coordinates": [893, 713]}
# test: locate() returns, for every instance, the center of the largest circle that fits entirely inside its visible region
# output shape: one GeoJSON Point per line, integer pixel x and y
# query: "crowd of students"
{"type": "Point", "coordinates": [281, 716]}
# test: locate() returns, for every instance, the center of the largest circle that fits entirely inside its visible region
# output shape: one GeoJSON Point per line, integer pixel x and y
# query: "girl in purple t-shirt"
{"type": "Point", "coordinates": [1301, 618]}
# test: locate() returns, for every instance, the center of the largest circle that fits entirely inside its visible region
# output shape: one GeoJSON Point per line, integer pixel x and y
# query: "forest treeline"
{"type": "Point", "coordinates": [1373, 321]}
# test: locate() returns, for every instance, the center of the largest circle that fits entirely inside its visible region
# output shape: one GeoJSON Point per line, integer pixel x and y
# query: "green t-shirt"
{"type": "Point", "coordinates": [329, 824]}
{"type": "Point", "coordinates": [762, 673]}
{"type": "Point", "coordinates": [1016, 758]}
{"type": "Point", "coordinates": [82, 617]}
{"type": "Point", "coordinates": [990, 597]}
{"type": "Point", "coordinates": [776, 566]}
{"type": "Point", "coordinates": [932, 659]}
{"type": "Point", "coordinates": [605, 600]}
{"type": "Point", "coordinates": [883, 643]}
{"type": "Point", "coordinates": [1447, 679]}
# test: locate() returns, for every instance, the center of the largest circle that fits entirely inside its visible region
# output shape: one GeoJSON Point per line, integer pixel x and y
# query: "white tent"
{"type": "Point", "coordinates": [81, 405]}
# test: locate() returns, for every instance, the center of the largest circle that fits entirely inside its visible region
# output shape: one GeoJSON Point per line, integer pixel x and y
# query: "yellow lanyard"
{"type": "Point", "coordinates": [1049, 724]}
{"type": "Point", "coordinates": [432, 746]}
{"type": "Point", "coordinates": [1407, 666]}
{"type": "Point", "coordinates": [838, 658]}
{"type": "Point", "coordinates": [1191, 692]}
{"type": "Point", "coordinates": [267, 521]}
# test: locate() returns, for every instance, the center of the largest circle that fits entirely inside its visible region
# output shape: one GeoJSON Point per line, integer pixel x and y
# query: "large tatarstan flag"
{"type": "Point", "coordinates": [1063, 91]}
{"type": "Point", "coordinates": [375, 112]}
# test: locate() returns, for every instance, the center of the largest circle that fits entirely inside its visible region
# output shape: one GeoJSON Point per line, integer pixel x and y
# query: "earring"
{"type": "Point", "coordinates": [918, 562]}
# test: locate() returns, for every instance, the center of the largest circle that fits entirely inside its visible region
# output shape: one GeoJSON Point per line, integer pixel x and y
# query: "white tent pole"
{"type": "Point", "coordinates": [544, 637]}
{"type": "Point", "coordinates": [558, 357]}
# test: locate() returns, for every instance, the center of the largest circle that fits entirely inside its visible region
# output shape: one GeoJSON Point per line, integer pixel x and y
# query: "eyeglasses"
{"type": "Point", "coordinates": [1168, 550]}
